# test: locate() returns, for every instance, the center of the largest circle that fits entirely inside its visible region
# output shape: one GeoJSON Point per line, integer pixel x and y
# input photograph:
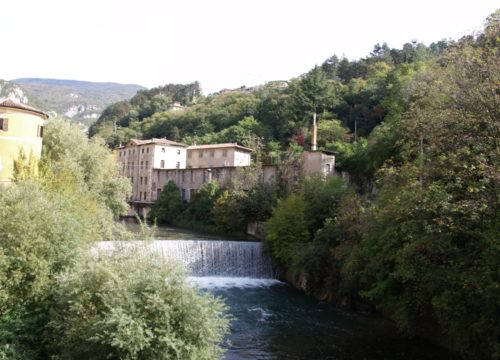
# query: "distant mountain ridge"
{"type": "Point", "coordinates": [81, 101]}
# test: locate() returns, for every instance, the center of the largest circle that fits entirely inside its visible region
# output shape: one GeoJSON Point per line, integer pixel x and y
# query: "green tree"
{"type": "Point", "coordinates": [228, 212]}
{"type": "Point", "coordinates": [331, 131]}
{"type": "Point", "coordinates": [25, 167]}
{"type": "Point", "coordinates": [199, 208]}
{"type": "Point", "coordinates": [133, 305]}
{"type": "Point", "coordinates": [314, 94]}
{"type": "Point", "coordinates": [429, 253]}
{"type": "Point", "coordinates": [90, 163]}
{"type": "Point", "coordinates": [42, 228]}
{"type": "Point", "coordinates": [287, 230]}
{"type": "Point", "coordinates": [169, 205]}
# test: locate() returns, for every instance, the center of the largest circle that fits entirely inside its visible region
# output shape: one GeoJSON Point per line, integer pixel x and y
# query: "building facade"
{"type": "Point", "coordinates": [21, 127]}
{"type": "Point", "coordinates": [150, 164]}
{"type": "Point", "coordinates": [322, 162]}
{"type": "Point", "coordinates": [190, 180]}
{"type": "Point", "coordinates": [139, 158]}
{"type": "Point", "coordinates": [218, 155]}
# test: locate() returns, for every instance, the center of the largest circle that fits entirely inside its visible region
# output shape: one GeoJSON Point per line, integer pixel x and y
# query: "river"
{"type": "Point", "coordinates": [272, 320]}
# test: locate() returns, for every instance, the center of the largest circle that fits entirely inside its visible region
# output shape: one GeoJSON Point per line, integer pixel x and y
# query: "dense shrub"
{"type": "Point", "coordinates": [169, 205]}
{"type": "Point", "coordinates": [133, 306]}
{"type": "Point", "coordinates": [287, 229]}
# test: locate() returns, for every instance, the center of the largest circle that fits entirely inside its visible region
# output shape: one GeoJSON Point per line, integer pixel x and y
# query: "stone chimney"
{"type": "Point", "coordinates": [314, 135]}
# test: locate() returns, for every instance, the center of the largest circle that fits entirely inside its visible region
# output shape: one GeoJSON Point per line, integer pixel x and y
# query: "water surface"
{"type": "Point", "coordinates": [272, 320]}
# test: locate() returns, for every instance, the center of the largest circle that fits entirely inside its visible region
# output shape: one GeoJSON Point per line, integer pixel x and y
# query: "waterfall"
{"type": "Point", "coordinates": [209, 258]}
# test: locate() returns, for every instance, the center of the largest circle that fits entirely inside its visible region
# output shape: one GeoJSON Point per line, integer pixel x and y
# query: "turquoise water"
{"type": "Point", "coordinates": [272, 320]}
{"type": "Point", "coordinates": [278, 322]}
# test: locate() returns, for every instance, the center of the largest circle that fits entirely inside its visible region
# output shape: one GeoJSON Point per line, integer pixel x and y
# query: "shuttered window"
{"type": "Point", "coordinates": [4, 124]}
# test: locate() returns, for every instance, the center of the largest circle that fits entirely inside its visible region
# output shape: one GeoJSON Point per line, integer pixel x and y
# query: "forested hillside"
{"type": "Point", "coordinates": [350, 97]}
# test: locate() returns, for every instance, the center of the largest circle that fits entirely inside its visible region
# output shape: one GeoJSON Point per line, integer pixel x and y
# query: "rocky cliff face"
{"type": "Point", "coordinates": [12, 91]}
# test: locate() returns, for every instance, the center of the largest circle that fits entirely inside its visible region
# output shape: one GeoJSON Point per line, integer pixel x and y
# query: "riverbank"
{"type": "Point", "coordinates": [273, 319]}
{"type": "Point", "coordinates": [185, 232]}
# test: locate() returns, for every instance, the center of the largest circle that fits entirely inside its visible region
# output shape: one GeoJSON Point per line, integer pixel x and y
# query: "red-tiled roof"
{"type": "Point", "coordinates": [219, 146]}
{"type": "Point", "coordinates": [9, 103]}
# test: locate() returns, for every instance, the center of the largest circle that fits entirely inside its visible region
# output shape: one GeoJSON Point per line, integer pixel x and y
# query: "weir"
{"type": "Point", "coordinates": [208, 258]}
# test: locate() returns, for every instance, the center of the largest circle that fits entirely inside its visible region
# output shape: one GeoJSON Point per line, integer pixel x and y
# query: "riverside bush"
{"type": "Point", "coordinates": [130, 306]}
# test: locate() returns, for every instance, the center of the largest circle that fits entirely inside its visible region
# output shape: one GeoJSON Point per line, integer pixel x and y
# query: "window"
{"type": "Point", "coordinates": [189, 154]}
{"type": "Point", "coordinates": [142, 151]}
{"type": "Point", "coordinates": [132, 179]}
{"type": "Point", "coordinates": [224, 153]}
{"type": "Point", "coordinates": [140, 195]}
{"type": "Point", "coordinates": [158, 176]}
{"type": "Point", "coordinates": [147, 150]}
{"type": "Point", "coordinates": [162, 165]}
{"type": "Point", "coordinates": [4, 124]}
{"type": "Point", "coordinates": [212, 153]}
{"type": "Point", "coordinates": [39, 131]}
{"type": "Point", "coordinates": [140, 180]}
{"type": "Point", "coordinates": [178, 164]}
{"type": "Point", "coordinates": [200, 154]}
{"type": "Point", "coordinates": [327, 168]}
{"type": "Point", "coordinates": [178, 151]}
{"type": "Point", "coordinates": [145, 195]}
{"type": "Point", "coordinates": [192, 176]}
{"type": "Point", "coordinates": [183, 176]}
{"type": "Point", "coordinates": [147, 165]}
{"type": "Point", "coordinates": [162, 149]}
{"type": "Point", "coordinates": [158, 192]}
{"type": "Point", "coordinates": [145, 180]}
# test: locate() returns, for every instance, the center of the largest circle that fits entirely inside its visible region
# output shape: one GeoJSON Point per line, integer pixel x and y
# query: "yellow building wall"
{"type": "Point", "coordinates": [22, 133]}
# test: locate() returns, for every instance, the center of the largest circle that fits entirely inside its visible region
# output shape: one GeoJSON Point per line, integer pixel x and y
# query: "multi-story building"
{"type": "Point", "coordinates": [21, 127]}
{"type": "Point", "coordinates": [138, 158]}
{"type": "Point", "coordinates": [218, 155]}
{"type": "Point", "coordinates": [150, 164]}
{"type": "Point", "coordinates": [204, 163]}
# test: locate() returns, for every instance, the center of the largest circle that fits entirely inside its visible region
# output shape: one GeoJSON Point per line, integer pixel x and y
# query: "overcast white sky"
{"type": "Point", "coordinates": [221, 43]}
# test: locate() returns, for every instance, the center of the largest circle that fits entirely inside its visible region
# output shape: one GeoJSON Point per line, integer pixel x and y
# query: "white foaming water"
{"type": "Point", "coordinates": [213, 260]}
{"type": "Point", "coordinates": [263, 314]}
{"type": "Point", "coordinates": [220, 282]}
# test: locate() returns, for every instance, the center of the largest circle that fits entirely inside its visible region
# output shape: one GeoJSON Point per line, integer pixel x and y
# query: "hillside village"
{"type": "Point", "coordinates": [150, 164]}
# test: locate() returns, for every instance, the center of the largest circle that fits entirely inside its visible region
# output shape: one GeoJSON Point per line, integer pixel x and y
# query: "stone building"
{"type": "Point", "coordinates": [221, 162]}
{"type": "Point", "coordinates": [190, 180]}
{"type": "Point", "coordinates": [21, 127]}
{"type": "Point", "coordinates": [322, 162]}
{"type": "Point", "coordinates": [218, 155]}
{"type": "Point", "coordinates": [318, 162]}
{"type": "Point", "coordinates": [150, 164]}
{"type": "Point", "coordinates": [138, 158]}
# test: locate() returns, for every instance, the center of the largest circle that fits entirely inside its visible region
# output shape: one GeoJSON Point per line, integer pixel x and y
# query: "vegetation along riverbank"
{"type": "Point", "coordinates": [414, 231]}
